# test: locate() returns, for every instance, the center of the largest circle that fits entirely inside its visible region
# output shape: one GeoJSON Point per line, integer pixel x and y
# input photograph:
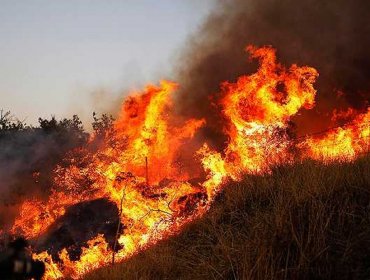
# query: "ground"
{"type": "Point", "coordinates": [304, 221]}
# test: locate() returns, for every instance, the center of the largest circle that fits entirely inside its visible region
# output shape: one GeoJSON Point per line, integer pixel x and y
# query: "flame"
{"type": "Point", "coordinates": [144, 130]}
{"type": "Point", "coordinates": [257, 108]}
{"type": "Point", "coordinates": [341, 143]}
{"type": "Point", "coordinates": [155, 202]}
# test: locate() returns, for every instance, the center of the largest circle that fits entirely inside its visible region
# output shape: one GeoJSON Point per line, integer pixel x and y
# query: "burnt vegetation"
{"type": "Point", "coordinates": [303, 221]}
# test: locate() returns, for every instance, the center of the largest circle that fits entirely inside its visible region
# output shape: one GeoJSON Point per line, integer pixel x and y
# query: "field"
{"type": "Point", "coordinates": [305, 221]}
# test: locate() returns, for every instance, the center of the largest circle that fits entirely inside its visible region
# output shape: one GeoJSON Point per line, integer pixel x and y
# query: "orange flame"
{"type": "Point", "coordinates": [258, 108]}
{"type": "Point", "coordinates": [341, 143]}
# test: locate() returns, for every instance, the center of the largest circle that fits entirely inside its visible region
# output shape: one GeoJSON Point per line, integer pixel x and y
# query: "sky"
{"type": "Point", "coordinates": [64, 57]}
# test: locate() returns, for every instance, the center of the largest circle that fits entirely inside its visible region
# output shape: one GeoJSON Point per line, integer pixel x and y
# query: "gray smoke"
{"type": "Point", "coordinates": [28, 156]}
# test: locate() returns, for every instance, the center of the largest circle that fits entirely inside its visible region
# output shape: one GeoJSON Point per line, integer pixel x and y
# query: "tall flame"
{"type": "Point", "coordinates": [257, 108]}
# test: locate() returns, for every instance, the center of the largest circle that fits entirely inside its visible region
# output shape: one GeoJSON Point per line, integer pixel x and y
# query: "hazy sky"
{"type": "Point", "coordinates": [55, 53]}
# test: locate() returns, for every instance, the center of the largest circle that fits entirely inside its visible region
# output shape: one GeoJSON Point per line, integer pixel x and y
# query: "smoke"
{"type": "Point", "coordinates": [332, 36]}
{"type": "Point", "coordinates": [28, 156]}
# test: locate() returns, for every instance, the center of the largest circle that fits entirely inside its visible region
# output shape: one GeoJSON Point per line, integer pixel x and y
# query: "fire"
{"type": "Point", "coordinates": [145, 125]}
{"type": "Point", "coordinates": [257, 108]}
{"type": "Point", "coordinates": [156, 200]}
{"type": "Point", "coordinates": [259, 105]}
{"type": "Point", "coordinates": [145, 130]}
{"type": "Point", "coordinates": [341, 143]}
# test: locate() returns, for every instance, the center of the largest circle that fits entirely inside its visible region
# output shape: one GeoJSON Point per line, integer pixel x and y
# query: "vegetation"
{"type": "Point", "coordinates": [305, 221]}
{"type": "Point", "coordinates": [29, 154]}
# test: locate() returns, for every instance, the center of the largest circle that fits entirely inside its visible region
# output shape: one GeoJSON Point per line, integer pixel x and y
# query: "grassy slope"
{"type": "Point", "coordinates": [306, 221]}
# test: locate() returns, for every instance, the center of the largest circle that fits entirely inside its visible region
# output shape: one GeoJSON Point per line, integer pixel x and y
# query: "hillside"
{"type": "Point", "coordinates": [306, 221]}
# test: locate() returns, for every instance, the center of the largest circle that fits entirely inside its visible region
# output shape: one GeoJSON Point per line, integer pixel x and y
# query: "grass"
{"type": "Point", "coordinates": [306, 221]}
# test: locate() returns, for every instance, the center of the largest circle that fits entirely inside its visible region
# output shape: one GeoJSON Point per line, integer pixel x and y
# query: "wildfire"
{"type": "Point", "coordinates": [257, 109]}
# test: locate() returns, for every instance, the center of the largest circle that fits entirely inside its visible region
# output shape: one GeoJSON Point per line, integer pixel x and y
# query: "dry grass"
{"type": "Point", "coordinates": [306, 221]}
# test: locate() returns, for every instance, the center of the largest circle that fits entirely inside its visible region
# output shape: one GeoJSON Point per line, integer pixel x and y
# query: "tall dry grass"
{"type": "Point", "coordinates": [305, 221]}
